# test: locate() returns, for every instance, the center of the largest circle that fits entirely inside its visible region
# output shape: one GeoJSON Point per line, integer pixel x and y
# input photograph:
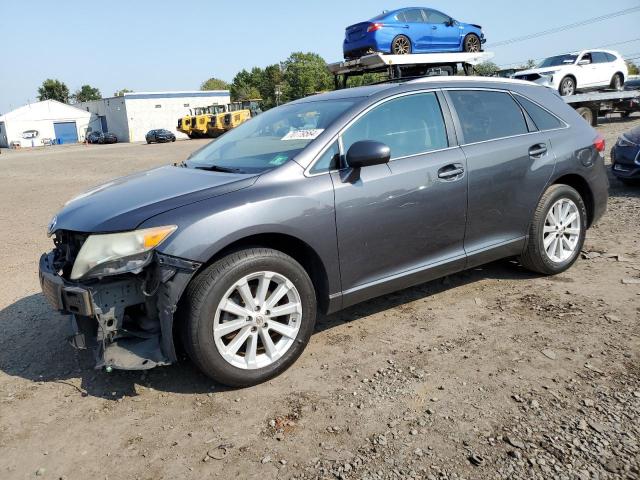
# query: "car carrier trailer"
{"type": "Point", "coordinates": [592, 105]}
{"type": "Point", "coordinates": [403, 66]}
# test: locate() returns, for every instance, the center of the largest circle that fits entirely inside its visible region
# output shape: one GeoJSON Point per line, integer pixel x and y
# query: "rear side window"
{"type": "Point", "coordinates": [486, 115]}
{"type": "Point", "coordinates": [413, 16]}
{"type": "Point", "coordinates": [409, 125]}
{"type": "Point", "coordinates": [543, 119]}
{"type": "Point", "coordinates": [610, 57]}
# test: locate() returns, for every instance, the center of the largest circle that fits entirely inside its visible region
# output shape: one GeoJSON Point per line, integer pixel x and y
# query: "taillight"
{"type": "Point", "coordinates": [374, 27]}
{"type": "Point", "coordinates": [599, 143]}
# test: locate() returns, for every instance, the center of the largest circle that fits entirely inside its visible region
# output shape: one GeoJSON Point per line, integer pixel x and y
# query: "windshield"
{"type": "Point", "coordinates": [270, 139]}
{"type": "Point", "coordinates": [558, 60]}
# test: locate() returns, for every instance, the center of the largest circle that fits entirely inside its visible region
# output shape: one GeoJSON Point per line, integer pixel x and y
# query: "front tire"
{"type": "Point", "coordinates": [557, 231]}
{"type": "Point", "coordinates": [249, 316]}
{"type": "Point", "coordinates": [567, 86]}
{"type": "Point", "coordinates": [472, 43]}
{"type": "Point", "coordinates": [401, 45]}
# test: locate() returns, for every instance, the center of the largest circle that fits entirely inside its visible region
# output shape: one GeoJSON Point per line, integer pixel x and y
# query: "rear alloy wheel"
{"type": "Point", "coordinates": [557, 231]}
{"type": "Point", "coordinates": [249, 316]}
{"type": "Point", "coordinates": [401, 45]}
{"type": "Point", "coordinates": [587, 114]}
{"type": "Point", "coordinates": [472, 43]}
{"type": "Point", "coordinates": [567, 86]}
{"type": "Point", "coordinates": [617, 82]}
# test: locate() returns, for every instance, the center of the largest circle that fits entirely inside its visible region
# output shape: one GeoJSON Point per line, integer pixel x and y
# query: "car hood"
{"type": "Point", "coordinates": [125, 203]}
{"type": "Point", "coordinates": [537, 70]}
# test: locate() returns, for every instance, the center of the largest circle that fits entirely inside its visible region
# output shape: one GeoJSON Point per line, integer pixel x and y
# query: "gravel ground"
{"type": "Point", "coordinates": [490, 373]}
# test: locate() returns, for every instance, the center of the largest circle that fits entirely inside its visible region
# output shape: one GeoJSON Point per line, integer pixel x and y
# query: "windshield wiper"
{"type": "Point", "coordinates": [218, 168]}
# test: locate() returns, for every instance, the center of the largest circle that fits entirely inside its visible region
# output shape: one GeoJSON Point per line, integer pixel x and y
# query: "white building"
{"type": "Point", "coordinates": [131, 116]}
{"type": "Point", "coordinates": [49, 120]}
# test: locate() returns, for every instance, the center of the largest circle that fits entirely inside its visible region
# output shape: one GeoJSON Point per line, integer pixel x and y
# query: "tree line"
{"type": "Point", "coordinates": [300, 75]}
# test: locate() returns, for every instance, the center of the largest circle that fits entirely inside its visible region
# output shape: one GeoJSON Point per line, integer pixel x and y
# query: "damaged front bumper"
{"type": "Point", "coordinates": [127, 320]}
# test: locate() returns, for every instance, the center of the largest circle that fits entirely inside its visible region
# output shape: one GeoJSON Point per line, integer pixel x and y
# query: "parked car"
{"type": "Point", "coordinates": [160, 136]}
{"type": "Point", "coordinates": [108, 137]}
{"type": "Point", "coordinates": [93, 137]}
{"type": "Point", "coordinates": [317, 205]}
{"type": "Point", "coordinates": [585, 70]}
{"type": "Point", "coordinates": [625, 157]}
{"type": "Point", "coordinates": [411, 30]}
{"type": "Point", "coordinates": [632, 84]}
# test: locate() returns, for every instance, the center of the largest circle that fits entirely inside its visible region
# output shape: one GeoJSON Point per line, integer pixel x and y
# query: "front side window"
{"type": "Point", "coordinates": [329, 160]}
{"type": "Point", "coordinates": [436, 17]}
{"type": "Point", "coordinates": [409, 125]}
{"type": "Point", "coordinates": [270, 139]}
{"type": "Point", "coordinates": [543, 119]}
{"type": "Point", "coordinates": [586, 58]}
{"type": "Point", "coordinates": [487, 115]}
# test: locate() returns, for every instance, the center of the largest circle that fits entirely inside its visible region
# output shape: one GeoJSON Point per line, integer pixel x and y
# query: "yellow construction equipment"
{"type": "Point", "coordinates": [188, 125]}
{"type": "Point", "coordinates": [215, 123]}
{"type": "Point", "coordinates": [240, 112]}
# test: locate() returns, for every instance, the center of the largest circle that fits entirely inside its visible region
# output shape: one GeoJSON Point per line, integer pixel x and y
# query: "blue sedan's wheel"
{"type": "Point", "coordinates": [471, 43]}
{"type": "Point", "coordinates": [401, 45]}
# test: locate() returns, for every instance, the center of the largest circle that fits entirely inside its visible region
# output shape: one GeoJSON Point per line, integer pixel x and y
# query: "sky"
{"type": "Point", "coordinates": [156, 45]}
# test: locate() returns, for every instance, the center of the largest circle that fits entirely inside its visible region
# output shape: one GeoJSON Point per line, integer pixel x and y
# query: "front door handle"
{"type": "Point", "coordinates": [537, 150]}
{"type": "Point", "coordinates": [451, 172]}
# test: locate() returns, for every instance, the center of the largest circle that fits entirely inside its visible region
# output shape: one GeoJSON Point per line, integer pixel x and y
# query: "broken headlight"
{"type": "Point", "coordinates": [115, 253]}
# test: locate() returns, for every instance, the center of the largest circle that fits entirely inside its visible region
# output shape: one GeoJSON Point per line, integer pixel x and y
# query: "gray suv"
{"type": "Point", "coordinates": [317, 205]}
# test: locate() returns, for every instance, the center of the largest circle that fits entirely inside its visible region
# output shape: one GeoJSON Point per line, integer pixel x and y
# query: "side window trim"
{"type": "Point", "coordinates": [447, 113]}
{"type": "Point", "coordinates": [562, 122]}
{"type": "Point", "coordinates": [458, 125]}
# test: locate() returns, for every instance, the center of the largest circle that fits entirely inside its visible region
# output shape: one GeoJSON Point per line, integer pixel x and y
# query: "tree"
{"type": "Point", "coordinates": [367, 79]}
{"type": "Point", "coordinates": [214, 84]}
{"type": "Point", "coordinates": [633, 68]}
{"type": "Point", "coordinates": [86, 93]}
{"type": "Point", "coordinates": [530, 64]}
{"type": "Point", "coordinates": [53, 90]}
{"type": "Point", "coordinates": [245, 84]}
{"type": "Point", "coordinates": [305, 74]}
{"type": "Point", "coordinates": [486, 69]}
{"type": "Point", "coordinates": [120, 93]}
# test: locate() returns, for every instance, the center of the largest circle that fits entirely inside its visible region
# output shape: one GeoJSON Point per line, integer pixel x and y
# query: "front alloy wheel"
{"type": "Point", "coordinates": [258, 320]}
{"type": "Point", "coordinates": [248, 316]}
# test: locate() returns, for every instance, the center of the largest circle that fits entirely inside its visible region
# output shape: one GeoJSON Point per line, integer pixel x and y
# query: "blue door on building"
{"type": "Point", "coordinates": [66, 132]}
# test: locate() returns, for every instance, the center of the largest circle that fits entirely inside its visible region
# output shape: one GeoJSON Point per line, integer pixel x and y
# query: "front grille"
{"type": "Point", "coordinates": [531, 77]}
{"type": "Point", "coordinates": [68, 245]}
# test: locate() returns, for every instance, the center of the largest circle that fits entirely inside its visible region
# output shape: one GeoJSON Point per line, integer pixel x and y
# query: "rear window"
{"type": "Point", "coordinates": [486, 115]}
{"type": "Point", "coordinates": [543, 119]}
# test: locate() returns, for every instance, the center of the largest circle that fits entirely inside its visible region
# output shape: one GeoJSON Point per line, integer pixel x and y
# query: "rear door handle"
{"type": "Point", "coordinates": [538, 150]}
{"type": "Point", "coordinates": [450, 172]}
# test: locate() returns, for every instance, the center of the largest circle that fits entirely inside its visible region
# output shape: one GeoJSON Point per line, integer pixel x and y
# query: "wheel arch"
{"type": "Point", "coordinates": [293, 246]}
{"type": "Point", "coordinates": [572, 75]}
{"type": "Point", "coordinates": [578, 183]}
{"type": "Point", "coordinates": [619, 73]}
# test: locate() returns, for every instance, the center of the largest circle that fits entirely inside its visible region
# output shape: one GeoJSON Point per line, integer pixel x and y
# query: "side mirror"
{"type": "Point", "coordinates": [584, 62]}
{"type": "Point", "coordinates": [450, 23]}
{"type": "Point", "coordinates": [367, 153]}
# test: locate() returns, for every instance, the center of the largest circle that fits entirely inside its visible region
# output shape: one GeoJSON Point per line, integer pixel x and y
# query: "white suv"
{"type": "Point", "coordinates": [583, 70]}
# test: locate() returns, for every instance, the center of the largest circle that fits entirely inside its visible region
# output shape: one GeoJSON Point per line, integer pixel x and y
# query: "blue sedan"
{"type": "Point", "coordinates": [411, 30]}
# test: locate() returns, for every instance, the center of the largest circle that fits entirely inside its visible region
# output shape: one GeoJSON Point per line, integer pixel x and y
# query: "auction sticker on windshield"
{"type": "Point", "coordinates": [305, 134]}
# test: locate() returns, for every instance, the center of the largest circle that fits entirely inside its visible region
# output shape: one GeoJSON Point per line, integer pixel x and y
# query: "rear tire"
{"type": "Point", "coordinates": [617, 82]}
{"type": "Point", "coordinates": [248, 282]}
{"type": "Point", "coordinates": [472, 43]}
{"type": "Point", "coordinates": [557, 231]}
{"type": "Point", "coordinates": [587, 114]}
{"type": "Point", "coordinates": [401, 45]}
